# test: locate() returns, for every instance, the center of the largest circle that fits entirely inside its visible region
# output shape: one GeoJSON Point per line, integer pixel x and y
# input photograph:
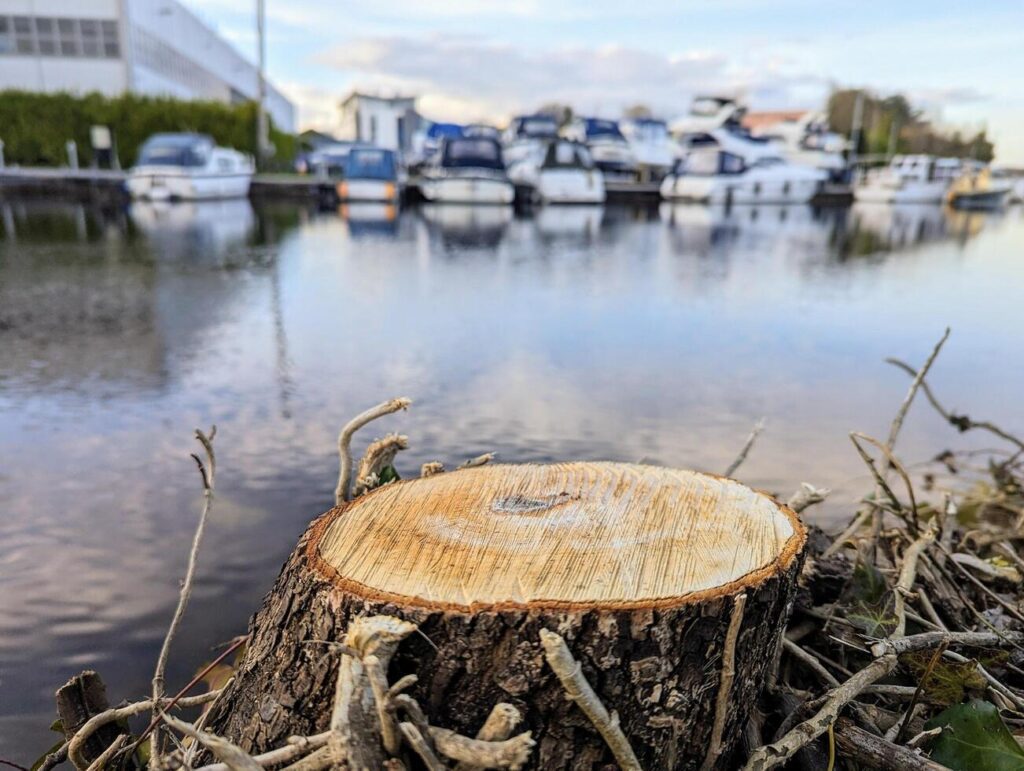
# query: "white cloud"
{"type": "Point", "coordinates": [469, 77]}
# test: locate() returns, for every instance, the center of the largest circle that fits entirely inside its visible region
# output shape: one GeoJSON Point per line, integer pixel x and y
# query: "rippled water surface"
{"type": "Point", "coordinates": [613, 333]}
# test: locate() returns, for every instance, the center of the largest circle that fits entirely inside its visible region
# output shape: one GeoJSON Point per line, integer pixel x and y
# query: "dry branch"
{"type": "Point", "coordinates": [772, 755]}
{"type": "Point", "coordinates": [738, 461]}
{"type": "Point", "coordinates": [208, 473]}
{"type": "Point", "coordinates": [233, 756]}
{"type": "Point", "coordinates": [577, 689]}
{"type": "Point", "coordinates": [341, 492]}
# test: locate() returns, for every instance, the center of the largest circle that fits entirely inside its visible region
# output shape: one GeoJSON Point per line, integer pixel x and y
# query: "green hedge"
{"type": "Point", "coordinates": [35, 127]}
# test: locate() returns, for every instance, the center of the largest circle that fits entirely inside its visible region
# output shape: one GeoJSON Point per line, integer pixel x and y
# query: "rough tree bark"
{"type": "Point", "coordinates": [636, 567]}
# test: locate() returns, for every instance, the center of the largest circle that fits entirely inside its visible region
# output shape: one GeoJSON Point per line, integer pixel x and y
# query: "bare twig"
{"type": "Point", "coordinates": [341, 492]}
{"type": "Point", "coordinates": [811, 661]}
{"type": "Point", "coordinates": [511, 753]}
{"type": "Point", "coordinates": [901, 413]}
{"type": "Point", "coordinates": [961, 422]}
{"type": "Point", "coordinates": [498, 727]}
{"type": "Point", "coordinates": [379, 455]}
{"type": "Point", "coordinates": [772, 755]}
{"type": "Point", "coordinates": [738, 461]}
{"type": "Point", "coordinates": [120, 713]}
{"type": "Point", "coordinates": [297, 747]}
{"type": "Point", "coordinates": [233, 756]}
{"type": "Point", "coordinates": [724, 702]}
{"type": "Point", "coordinates": [419, 745]}
{"type": "Point", "coordinates": [927, 640]}
{"type": "Point", "coordinates": [389, 734]}
{"type": "Point", "coordinates": [479, 460]}
{"type": "Point", "coordinates": [908, 574]}
{"type": "Point", "coordinates": [577, 689]}
{"type": "Point", "coordinates": [208, 473]}
{"type": "Point", "coordinates": [808, 495]}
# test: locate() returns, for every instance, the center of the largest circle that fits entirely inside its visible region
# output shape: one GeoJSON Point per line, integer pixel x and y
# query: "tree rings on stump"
{"type": "Point", "coordinates": [637, 567]}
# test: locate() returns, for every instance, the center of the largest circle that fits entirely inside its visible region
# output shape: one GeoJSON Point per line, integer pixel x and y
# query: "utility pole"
{"type": "Point", "coordinates": [262, 138]}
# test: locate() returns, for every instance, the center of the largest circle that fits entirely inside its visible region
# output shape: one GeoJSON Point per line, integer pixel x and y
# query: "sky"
{"type": "Point", "coordinates": [469, 60]}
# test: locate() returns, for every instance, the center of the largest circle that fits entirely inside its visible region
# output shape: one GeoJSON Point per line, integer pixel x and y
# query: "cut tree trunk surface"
{"type": "Point", "coordinates": [636, 567]}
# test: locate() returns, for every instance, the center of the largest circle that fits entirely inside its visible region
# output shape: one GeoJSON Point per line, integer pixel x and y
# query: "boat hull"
{"type": "Point", "coordinates": [468, 190]}
{"type": "Point", "coordinates": [172, 184]}
{"type": "Point", "coordinates": [570, 186]}
{"type": "Point", "coordinates": [986, 200]}
{"type": "Point", "coordinates": [370, 190]}
{"type": "Point", "coordinates": [910, 192]}
{"type": "Point", "coordinates": [740, 189]}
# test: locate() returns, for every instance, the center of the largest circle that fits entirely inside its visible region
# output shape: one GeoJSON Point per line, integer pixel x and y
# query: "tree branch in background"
{"type": "Point", "coordinates": [738, 461]}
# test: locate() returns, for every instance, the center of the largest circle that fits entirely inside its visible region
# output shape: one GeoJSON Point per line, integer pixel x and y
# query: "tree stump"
{"type": "Point", "coordinates": [637, 567]}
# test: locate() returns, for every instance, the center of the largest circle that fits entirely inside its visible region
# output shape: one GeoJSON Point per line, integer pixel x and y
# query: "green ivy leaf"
{"type": "Point", "coordinates": [948, 680]}
{"type": "Point", "coordinates": [974, 737]}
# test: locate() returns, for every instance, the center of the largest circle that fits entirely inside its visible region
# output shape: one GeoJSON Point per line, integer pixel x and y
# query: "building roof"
{"type": "Point", "coordinates": [410, 100]}
{"type": "Point", "coordinates": [767, 118]}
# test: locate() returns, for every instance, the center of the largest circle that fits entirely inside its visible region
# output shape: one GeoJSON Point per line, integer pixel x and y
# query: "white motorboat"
{"type": "Point", "coordinates": [653, 148]}
{"type": "Point", "coordinates": [468, 171]}
{"type": "Point", "coordinates": [910, 179]}
{"type": "Point", "coordinates": [713, 175]}
{"type": "Point", "coordinates": [370, 174]}
{"type": "Point", "coordinates": [725, 164]}
{"type": "Point", "coordinates": [807, 141]}
{"type": "Point", "coordinates": [568, 175]}
{"type": "Point", "coordinates": [188, 167]}
{"type": "Point", "coordinates": [609, 148]}
{"type": "Point", "coordinates": [525, 140]}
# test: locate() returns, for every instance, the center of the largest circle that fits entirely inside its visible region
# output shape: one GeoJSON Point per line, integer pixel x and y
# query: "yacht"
{"type": "Point", "coordinates": [188, 167]}
{"type": "Point", "coordinates": [468, 171]}
{"type": "Point", "coordinates": [370, 174]}
{"type": "Point", "coordinates": [723, 163]}
{"type": "Point", "coordinates": [427, 141]}
{"type": "Point", "coordinates": [653, 148]}
{"type": "Point", "coordinates": [910, 179]}
{"type": "Point", "coordinates": [568, 175]}
{"type": "Point", "coordinates": [524, 143]}
{"type": "Point", "coordinates": [975, 189]}
{"type": "Point", "coordinates": [612, 153]}
{"type": "Point", "coordinates": [807, 141]}
{"type": "Point", "coordinates": [713, 175]}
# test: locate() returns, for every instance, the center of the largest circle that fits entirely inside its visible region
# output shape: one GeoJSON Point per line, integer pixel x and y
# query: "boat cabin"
{"type": "Point", "coordinates": [185, 150]}
{"type": "Point", "coordinates": [470, 153]}
{"type": "Point", "coordinates": [566, 154]}
{"type": "Point", "coordinates": [371, 163]}
{"type": "Point", "coordinates": [532, 127]}
{"type": "Point", "coordinates": [926, 168]}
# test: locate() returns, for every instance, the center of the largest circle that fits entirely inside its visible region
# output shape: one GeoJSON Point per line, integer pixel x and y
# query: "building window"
{"type": "Point", "coordinates": [52, 36]}
{"type": "Point", "coordinates": [67, 29]}
{"type": "Point", "coordinates": [23, 39]}
{"type": "Point", "coordinates": [46, 36]}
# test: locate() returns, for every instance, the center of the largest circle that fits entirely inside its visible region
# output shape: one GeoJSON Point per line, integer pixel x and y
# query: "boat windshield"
{"type": "Point", "coordinates": [175, 150]}
{"type": "Point", "coordinates": [444, 130]}
{"type": "Point", "coordinates": [370, 164]}
{"type": "Point", "coordinates": [650, 130]}
{"type": "Point", "coordinates": [603, 128]}
{"type": "Point", "coordinates": [537, 127]}
{"type": "Point", "coordinates": [567, 155]}
{"type": "Point", "coordinates": [474, 153]}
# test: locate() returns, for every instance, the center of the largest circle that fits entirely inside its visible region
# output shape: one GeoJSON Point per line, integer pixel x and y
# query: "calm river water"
{"type": "Point", "coordinates": [613, 333]}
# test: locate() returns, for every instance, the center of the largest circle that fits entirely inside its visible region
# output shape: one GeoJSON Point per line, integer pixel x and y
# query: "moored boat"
{"type": "Point", "coordinates": [188, 167]}
{"type": "Point", "coordinates": [608, 146]}
{"type": "Point", "coordinates": [909, 179]}
{"type": "Point", "coordinates": [370, 174]}
{"type": "Point", "coordinates": [468, 171]}
{"type": "Point", "coordinates": [568, 175]}
{"type": "Point", "coordinates": [974, 190]}
{"type": "Point", "coordinates": [712, 175]}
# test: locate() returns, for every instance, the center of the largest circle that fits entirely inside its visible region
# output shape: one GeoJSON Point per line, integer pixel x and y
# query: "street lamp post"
{"type": "Point", "coordinates": [262, 139]}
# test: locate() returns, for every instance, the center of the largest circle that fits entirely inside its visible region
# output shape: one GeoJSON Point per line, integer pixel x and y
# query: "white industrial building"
{"type": "Point", "coordinates": [387, 122]}
{"type": "Point", "coordinates": [151, 47]}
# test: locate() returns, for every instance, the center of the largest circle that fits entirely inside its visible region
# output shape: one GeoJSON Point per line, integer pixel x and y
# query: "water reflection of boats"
{"type": "Point", "coordinates": [188, 229]}
{"type": "Point", "coordinates": [369, 219]}
{"type": "Point", "coordinates": [878, 226]}
{"type": "Point", "coordinates": [468, 224]}
{"type": "Point", "coordinates": [569, 221]}
{"type": "Point", "coordinates": [696, 226]}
